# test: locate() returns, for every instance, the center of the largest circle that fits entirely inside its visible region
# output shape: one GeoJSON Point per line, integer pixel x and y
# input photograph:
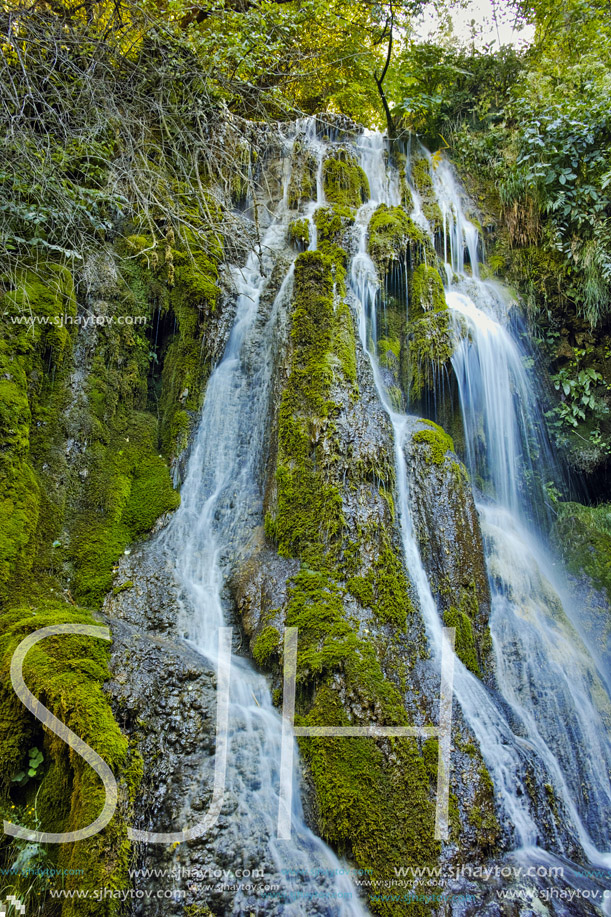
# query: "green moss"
{"type": "Point", "coordinates": [407, 200]}
{"type": "Point", "coordinates": [482, 815]}
{"type": "Point", "coordinates": [436, 441]}
{"type": "Point", "coordinates": [36, 320]}
{"type": "Point", "coordinates": [391, 233]}
{"type": "Point", "coordinates": [180, 427]}
{"type": "Point", "coordinates": [344, 341]}
{"type": "Point", "coordinates": [377, 813]}
{"type": "Point", "coordinates": [344, 181]}
{"type": "Point", "coordinates": [392, 603]}
{"type": "Point", "coordinates": [67, 674]}
{"type": "Point", "coordinates": [183, 284]}
{"type": "Point", "coordinates": [362, 590]}
{"type": "Point", "coordinates": [331, 223]}
{"type": "Point", "coordinates": [66, 520]}
{"type": "Point", "coordinates": [128, 487]}
{"type": "Point", "coordinates": [309, 514]}
{"type": "Point", "coordinates": [299, 234]}
{"type": "Point", "coordinates": [302, 185]}
{"type": "Point", "coordinates": [389, 352]}
{"type": "Point", "coordinates": [429, 333]}
{"type": "Point", "coordinates": [266, 645]}
{"type": "Point", "coordinates": [421, 177]}
{"type": "Point", "coordinates": [354, 780]}
{"type": "Point", "coordinates": [584, 535]}
{"type": "Point", "coordinates": [426, 292]}
{"type": "Point", "coordinates": [388, 498]}
{"type": "Point", "coordinates": [465, 640]}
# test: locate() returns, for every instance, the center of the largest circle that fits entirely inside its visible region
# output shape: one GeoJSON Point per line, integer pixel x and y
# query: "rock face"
{"type": "Point", "coordinates": [319, 547]}
{"type": "Point", "coordinates": [448, 531]}
{"type": "Point", "coordinates": [326, 557]}
{"type": "Point", "coordinates": [164, 697]}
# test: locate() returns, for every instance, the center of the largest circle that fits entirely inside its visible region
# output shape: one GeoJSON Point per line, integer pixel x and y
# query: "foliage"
{"type": "Point", "coordinates": [35, 759]}
{"type": "Point", "coordinates": [562, 162]}
{"type": "Point", "coordinates": [582, 411]}
{"type": "Point", "coordinates": [584, 536]}
{"type": "Point", "coordinates": [436, 88]}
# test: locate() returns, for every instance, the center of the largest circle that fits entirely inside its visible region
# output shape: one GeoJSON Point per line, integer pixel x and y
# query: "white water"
{"type": "Point", "coordinates": [544, 670]}
{"type": "Point", "coordinates": [556, 713]}
{"type": "Point", "coordinates": [489, 725]}
{"type": "Point", "coordinates": [221, 505]}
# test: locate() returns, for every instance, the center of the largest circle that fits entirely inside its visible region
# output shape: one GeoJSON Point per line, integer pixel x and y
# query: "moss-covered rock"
{"type": "Point", "coordinates": [429, 333]}
{"type": "Point", "coordinates": [344, 182]}
{"type": "Point", "coordinates": [309, 507]}
{"type": "Point", "coordinates": [334, 517]}
{"type": "Point", "coordinates": [37, 320]}
{"type": "Point", "coordinates": [299, 234]}
{"type": "Point", "coordinates": [449, 534]}
{"type": "Point", "coordinates": [67, 674]}
{"type": "Point", "coordinates": [331, 223]}
{"type": "Point", "coordinates": [426, 292]}
{"type": "Point", "coordinates": [584, 535]}
{"type": "Point", "coordinates": [82, 476]}
{"type": "Point", "coordinates": [421, 178]}
{"type": "Point", "coordinates": [302, 185]}
{"type": "Point", "coordinates": [436, 441]}
{"type": "Point", "coordinates": [391, 234]}
{"type": "Point", "coordinates": [126, 489]}
{"type": "Point", "coordinates": [266, 644]}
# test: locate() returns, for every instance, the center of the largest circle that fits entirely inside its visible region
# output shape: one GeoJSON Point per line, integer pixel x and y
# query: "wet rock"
{"type": "Point", "coordinates": [448, 530]}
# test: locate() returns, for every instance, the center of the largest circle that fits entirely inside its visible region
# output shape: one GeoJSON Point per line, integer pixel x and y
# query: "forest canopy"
{"type": "Point", "coordinates": [102, 99]}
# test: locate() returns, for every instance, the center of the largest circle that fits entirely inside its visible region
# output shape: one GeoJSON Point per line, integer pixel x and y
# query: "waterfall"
{"type": "Point", "coordinates": [544, 670]}
{"type": "Point", "coordinates": [548, 711]}
{"type": "Point", "coordinates": [221, 505]}
{"type": "Point", "coordinates": [490, 727]}
{"type": "Point", "coordinates": [553, 711]}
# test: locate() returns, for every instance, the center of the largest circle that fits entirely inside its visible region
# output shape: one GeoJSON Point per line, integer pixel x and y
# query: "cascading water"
{"type": "Point", "coordinates": [221, 505]}
{"type": "Point", "coordinates": [549, 712]}
{"type": "Point", "coordinates": [489, 725]}
{"type": "Point", "coordinates": [544, 670]}
{"type": "Point", "coordinates": [554, 713]}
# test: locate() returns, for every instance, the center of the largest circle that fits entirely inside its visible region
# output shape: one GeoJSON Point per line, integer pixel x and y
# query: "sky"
{"type": "Point", "coordinates": [483, 13]}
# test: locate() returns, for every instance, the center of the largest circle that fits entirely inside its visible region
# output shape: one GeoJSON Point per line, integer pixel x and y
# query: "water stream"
{"type": "Point", "coordinates": [221, 504]}
{"type": "Point", "coordinates": [555, 711]}
{"type": "Point", "coordinates": [544, 671]}
{"type": "Point", "coordinates": [551, 712]}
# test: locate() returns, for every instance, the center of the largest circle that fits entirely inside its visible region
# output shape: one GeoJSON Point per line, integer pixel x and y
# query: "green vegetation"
{"type": "Point", "coordinates": [344, 182]}
{"type": "Point", "coordinates": [529, 132]}
{"type": "Point", "coordinates": [354, 782]}
{"type": "Point", "coordinates": [436, 443]}
{"type": "Point", "coordinates": [299, 234]}
{"type": "Point", "coordinates": [63, 794]}
{"type": "Point", "coordinates": [128, 155]}
{"type": "Point", "coordinates": [391, 233]}
{"type": "Point", "coordinates": [584, 535]}
{"type": "Point", "coordinates": [465, 640]}
{"type": "Point", "coordinates": [429, 333]}
{"type": "Point", "coordinates": [83, 474]}
{"type": "Point", "coordinates": [421, 177]}
{"type": "Point", "coordinates": [266, 644]}
{"type": "Point", "coordinates": [309, 516]}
